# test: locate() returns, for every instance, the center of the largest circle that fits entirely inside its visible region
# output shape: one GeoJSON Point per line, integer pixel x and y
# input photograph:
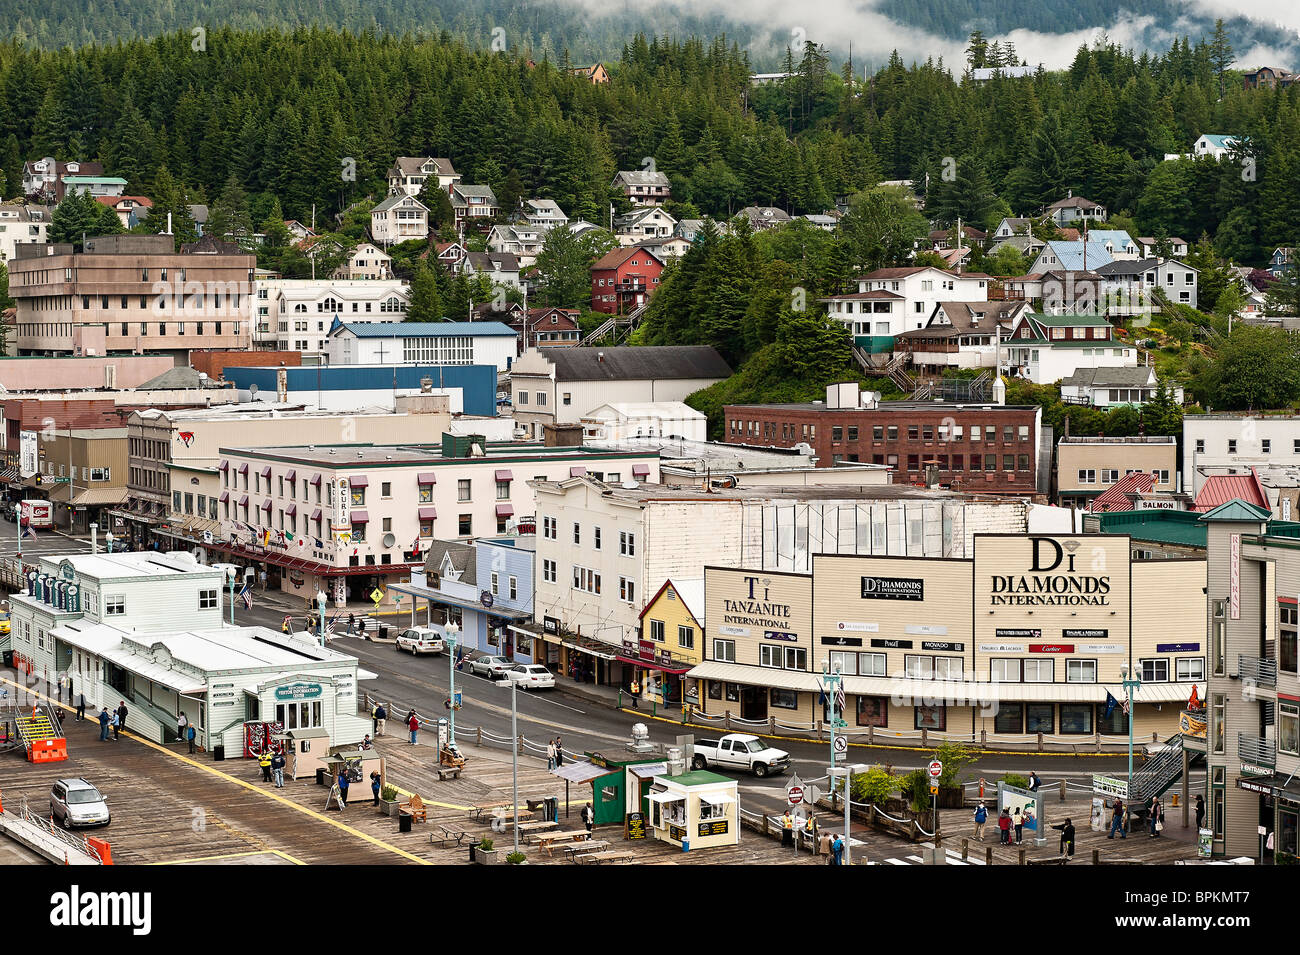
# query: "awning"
{"type": "Point", "coordinates": [679, 670]}
{"type": "Point", "coordinates": [426, 477]}
{"type": "Point", "coordinates": [717, 799]}
{"type": "Point", "coordinates": [577, 472]}
{"type": "Point", "coordinates": [266, 505]}
{"type": "Point", "coordinates": [359, 480]}
{"type": "Point", "coordinates": [580, 772]}
{"type": "Point", "coordinates": [291, 475]}
{"type": "Point", "coordinates": [592, 651]}
{"type": "Point", "coordinates": [640, 469]}
{"type": "Point", "coordinates": [223, 466]}
{"type": "Point", "coordinates": [667, 797]}
{"type": "Point", "coordinates": [315, 515]}
{"type": "Point", "coordinates": [360, 517]}
{"type": "Point", "coordinates": [648, 770]}
{"type": "Point", "coordinates": [243, 469]}
{"type": "Point", "coordinates": [503, 474]}
{"type": "Point", "coordinates": [225, 496]}
{"type": "Point", "coordinates": [243, 500]}
{"type": "Point", "coordinates": [266, 471]}
{"type": "Point", "coordinates": [90, 496]}
{"type": "Point", "coordinates": [428, 513]}
{"type": "Point", "coordinates": [315, 479]}
{"type": "Point", "coordinates": [291, 510]}
{"type": "Point", "coordinates": [504, 510]}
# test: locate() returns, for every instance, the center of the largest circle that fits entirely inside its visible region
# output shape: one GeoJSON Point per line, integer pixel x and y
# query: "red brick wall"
{"type": "Point", "coordinates": [211, 363]}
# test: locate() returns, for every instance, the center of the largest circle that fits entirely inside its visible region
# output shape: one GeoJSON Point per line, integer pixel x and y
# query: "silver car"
{"type": "Point", "coordinates": [76, 802]}
{"type": "Point", "coordinates": [492, 667]}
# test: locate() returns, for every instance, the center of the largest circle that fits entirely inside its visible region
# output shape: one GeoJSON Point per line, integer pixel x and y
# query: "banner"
{"type": "Point", "coordinates": [27, 456]}
{"type": "Point", "coordinates": [1190, 724]}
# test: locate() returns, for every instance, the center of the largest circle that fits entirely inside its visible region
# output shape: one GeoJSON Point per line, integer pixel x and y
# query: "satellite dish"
{"type": "Point", "coordinates": [389, 540]}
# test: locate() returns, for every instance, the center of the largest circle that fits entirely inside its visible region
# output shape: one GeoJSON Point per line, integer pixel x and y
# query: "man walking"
{"type": "Point", "coordinates": [1200, 812]}
{"type": "Point", "coordinates": [374, 786]}
{"type": "Point", "coordinates": [550, 754]}
{"type": "Point", "coordinates": [413, 724]}
{"type": "Point", "coordinates": [277, 769]}
{"type": "Point", "coordinates": [837, 850]}
{"type": "Point", "coordinates": [559, 753]}
{"type": "Point", "coordinates": [190, 733]}
{"type": "Point", "coordinates": [981, 817]}
{"type": "Point", "coordinates": [1033, 781]}
{"type": "Point", "coordinates": [381, 715]}
{"type": "Point", "coordinates": [121, 719]}
{"type": "Point", "coordinates": [81, 706]}
{"type": "Point", "coordinates": [104, 720]}
{"type": "Point", "coordinates": [1117, 819]}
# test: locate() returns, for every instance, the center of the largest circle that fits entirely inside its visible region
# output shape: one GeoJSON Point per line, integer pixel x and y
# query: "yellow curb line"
{"type": "Point", "coordinates": [233, 855]}
{"type": "Point", "coordinates": [246, 785]}
{"type": "Point", "coordinates": [904, 749]}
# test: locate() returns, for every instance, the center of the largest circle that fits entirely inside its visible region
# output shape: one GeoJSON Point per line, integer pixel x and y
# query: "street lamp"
{"type": "Point", "coordinates": [832, 677]}
{"type": "Point", "coordinates": [452, 630]}
{"type": "Point", "coordinates": [1129, 687]}
{"type": "Point", "coordinates": [230, 579]}
{"type": "Point", "coordinates": [321, 599]}
{"type": "Point", "coordinates": [514, 751]}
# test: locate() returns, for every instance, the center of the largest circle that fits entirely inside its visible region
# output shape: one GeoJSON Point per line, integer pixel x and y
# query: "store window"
{"type": "Point", "coordinates": [1080, 671]}
{"type": "Point", "coordinates": [873, 711]}
{"type": "Point", "coordinates": [1004, 670]}
{"type": "Point", "coordinates": [871, 664]}
{"type": "Point", "coordinates": [724, 651]}
{"type": "Point", "coordinates": [1190, 669]}
{"type": "Point", "coordinates": [1155, 671]}
{"type": "Point", "coordinates": [1217, 723]}
{"type": "Point", "coordinates": [931, 717]}
{"type": "Point", "coordinates": [1114, 725]}
{"type": "Point", "coordinates": [1010, 718]}
{"type": "Point", "coordinates": [1288, 728]}
{"type": "Point", "coordinates": [715, 689]}
{"type": "Point", "coordinates": [784, 699]}
{"type": "Point", "coordinates": [1076, 718]}
{"type": "Point", "coordinates": [1040, 718]}
{"type": "Point", "coordinates": [733, 693]}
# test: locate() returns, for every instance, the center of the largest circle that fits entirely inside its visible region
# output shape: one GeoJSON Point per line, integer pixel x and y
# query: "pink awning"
{"type": "Point", "coordinates": [243, 469]}
{"type": "Point", "coordinates": [266, 471]}
{"type": "Point", "coordinates": [577, 472]}
{"type": "Point", "coordinates": [426, 477]}
{"type": "Point", "coordinates": [360, 517]}
{"type": "Point", "coordinates": [291, 510]}
{"type": "Point", "coordinates": [504, 510]}
{"type": "Point", "coordinates": [504, 474]}
{"type": "Point", "coordinates": [266, 505]}
{"type": "Point", "coordinates": [428, 513]}
{"type": "Point", "coordinates": [640, 469]}
{"type": "Point", "coordinates": [223, 466]}
{"type": "Point", "coordinates": [225, 496]}
{"type": "Point", "coordinates": [315, 515]}
{"type": "Point", "coordinates": [359, 480]}
{"type": "Point", "coordinates": [291, 475]}
{"type": "Point", "coordinates": [243, 500]}
{"type": "Point", "coordinates": [315, 479]}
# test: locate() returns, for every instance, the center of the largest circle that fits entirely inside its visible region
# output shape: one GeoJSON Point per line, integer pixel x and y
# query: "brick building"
{"type": "Point", "coordinates": [973, 446]}
{"type": "Point", "coordinates": [624, 279]}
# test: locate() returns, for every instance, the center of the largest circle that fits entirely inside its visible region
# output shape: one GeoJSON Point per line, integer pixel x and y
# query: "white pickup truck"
{"type": "Point", "coordinates": [739, 751]}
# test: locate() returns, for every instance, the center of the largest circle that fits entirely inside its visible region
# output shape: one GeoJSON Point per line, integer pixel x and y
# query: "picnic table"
{"type": "Point", "coordinates": [478, 812]}
{"type": "Point", "coordinates": [600, 858]}
{"type": "Point", "coordinates": [450, 836]}
{"type": "Point", "coordinates": [536, 828]}
{"type": "Point", "coordinates": [582, 848]}
{"type": "Point", "coordinates": [547, 840]}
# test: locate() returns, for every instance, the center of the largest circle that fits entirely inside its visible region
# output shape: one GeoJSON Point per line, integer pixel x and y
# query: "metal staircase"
{"type": "Point", "coordinates": [898, 374]}
{"type": "Point", "coordinates": [1159, 772]}
{"type": "Point", "coordinates": [41, 735]}
{"type": "Point", "coordinates": [617, 327]}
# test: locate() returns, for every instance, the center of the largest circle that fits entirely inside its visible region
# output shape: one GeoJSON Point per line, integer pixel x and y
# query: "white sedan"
{"type": "Point", "coordinates": [531, 676]}
{"type": "Point", "coordinates": [420, 640]}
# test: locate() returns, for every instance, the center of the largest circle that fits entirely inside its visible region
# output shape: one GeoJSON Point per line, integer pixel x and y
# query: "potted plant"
{"type": "Point", "coordinates": [955, 757]}
{"type": "Point", "coordinates": [388, 801]}
{"type": "Point", "coordinates": [516, 858]}
{"type": "Point", "coordinates": [484, 854]}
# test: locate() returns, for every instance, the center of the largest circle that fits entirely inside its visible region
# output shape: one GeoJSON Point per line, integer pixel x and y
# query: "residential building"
{"type": "Point", "coordinates": [1218, 489]}
{"type": "Point", "coordinates": [943, 239]}
{"type": "Point", "coordinates": [765, 217]}
{"type": "Point", "coordinates": [422, 343]}
{"type": "Point", "coordinates": [43, 179]}
{"type": "Point", "coordinates": [1137, 280]}
{"type": "Point", "coordinates": [347, 518]}
{"type": "Point", "coordinates": [1116, 242]}
{"type": "Point", "coordinates": [1111, 386]}
{"type": "Point", "coordinates": [450, 255]}
{"type": "Point", "coordinates": [643, 223]}
{"type": "Point", "coordinates": [1027, 245]}
{"type": "Point", "coordinates": [899, 300]}
{"type": "Point", "coordinates": [473, 203]}
{"type": "Point", "coordinates": [22, 224]}
{"type": "Point", "coordinates": [1075, 208]}
{"type": "Point", "coordinates": [1149, 247]}
{"type": "Point", "coordinates": [545, 328]}
{"type": "Point", "coordinates": [1234, 443]}
{"type": "Point", "coordinates": [501, 268]}
{"type": "Point", "coordinates": [1281, 261]}
{"type": "Point", "coordinates": [409, 174]}
{"type": "Point", "coordinates": [297, 314]}
{"type": "Point", "coordinates": [398, 218]}
{"type": "Point", "coordinates": [557, 386]}
{"type": "Point", "coordinates": [673, 247]}
{"type": "Point", "coordinates": [128, 294]}
{"type": "Point", "coordinates": [596, 73]}
{"type": "Point", "coordinates": [624, 279]}
{"type": "Point", "coordinates": [977, 447]}
{"type": "Point", "coordinates": [826, 221]}
{"type": "Point", "coordinates": [688, 228]}
{"type": "Point", "coordinates": [1087, 466]}
{"type": "Point", "coordinates": [961, 335]}
{"type": "Point", "coordinates": [1064, 256]}
{"type": "Point", "coordinates": [623, 420]}
{"type": "Point", "coordinates": [1268, 77]}
{"type": "Point", "coordinates": [1012, 225]}
{"type": "Point", "coordinates": [365, 262]}
{"type": "Point", "coordinates": [643, 187]}
{"type": "Point", "coordinates": [131, 210]}
{"type": "Point", "coordinates": [97, 186]}
{"type": "Point", "coordinates": [670, 641]}
{"type": "Point", "coordinates": [1215, 145]}
{"type": "Point", "coordinates": [524, 242]}
{"type": "Point", "coordinates": [146, 628]}
{"type": "Point", "coordinates": [1047, 348]}
{"type": "Point", "coordinates": [543, 214]}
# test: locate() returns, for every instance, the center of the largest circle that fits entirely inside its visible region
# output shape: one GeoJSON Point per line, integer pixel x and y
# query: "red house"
{"type": "Point", "coordinates": [624, 279]}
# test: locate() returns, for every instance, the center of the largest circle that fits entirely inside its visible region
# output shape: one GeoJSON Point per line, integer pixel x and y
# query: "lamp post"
{"type": "Point", "coordinates": [514, 754]}
{"type": "Point", "coordinates": [452, 630]}
{"type": "Point", "coordinates": [108, 541]}
{"type": "Point", "coordinates": [321, 599]}
{"type": "Point", "coordinates": [832, 677]}
{"type": "Point", "coordinates": [230, 579]}
{"type": "Point", "coordinates": [1130, 685]}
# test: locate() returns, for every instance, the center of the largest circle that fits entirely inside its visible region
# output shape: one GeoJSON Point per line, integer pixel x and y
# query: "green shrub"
{"type": "Point", "coordinates": [874, 786]}
{"type": "Point", "coordinates": [1015, 779]}
{"type": "Point", "coordinates": [955, 757]}
{"type": "Point", "coordinates": [388, 794]}
{"type": "Point", "coordinates": [515, 858]}
{"type": "Point", "coordinates": [915, 787]}
{"type": "Point", "coordinates": [485, 844]}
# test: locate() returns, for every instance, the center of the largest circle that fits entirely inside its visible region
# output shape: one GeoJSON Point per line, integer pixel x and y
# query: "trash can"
{"type": "Point", "coordinates": [320, 777]}
{"type": "Point", "coordinates": [552, 807]}
{"type": "Point", "coordinates": [383, 631]}
{"type": "Point", "coordinates": [219, 753]}
{"type": "Point", "coordinates": [404, 822]}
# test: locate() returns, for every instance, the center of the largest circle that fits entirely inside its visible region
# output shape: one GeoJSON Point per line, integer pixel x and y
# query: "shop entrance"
{"type": "Point", "coordinates": [753, 703]}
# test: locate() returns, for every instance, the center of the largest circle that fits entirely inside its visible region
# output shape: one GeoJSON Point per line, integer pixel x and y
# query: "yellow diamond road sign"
{"type": "Point", "coordinates": [376, 595]}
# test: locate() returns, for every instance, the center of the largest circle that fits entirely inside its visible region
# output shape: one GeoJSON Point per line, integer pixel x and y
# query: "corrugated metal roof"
{"type": "Point", "coordinates": [1222, 488]}
{"type": "Point", "coordinates": [427, 329]}
{"type": "Point", "coordinates": [1115, 497]}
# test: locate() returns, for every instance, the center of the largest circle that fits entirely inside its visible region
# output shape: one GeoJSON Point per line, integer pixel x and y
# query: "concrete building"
{"type": "Point", "coordinates": [664, 419]}
{"type": "Point", "coordinates": [128, 294]}
{"type": "Point", "coordinates": [146, 628]}
{"type": "Point", "coordinates": [422, 343]}
{"type": "Point", "coordinates": [559, 385]}
{"type": "Point", "coordinates": [1234, 443]}
{"type": "Point", "coordinates": [471, 389]}
{"type": "Point", "coordinates": [1085, 467]}
{"type": "Point", "coordinates": [297, 314]}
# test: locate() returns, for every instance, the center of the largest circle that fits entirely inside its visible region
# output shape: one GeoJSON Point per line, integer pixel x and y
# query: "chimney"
{"type": "Point", "coordinates": [600, 356]}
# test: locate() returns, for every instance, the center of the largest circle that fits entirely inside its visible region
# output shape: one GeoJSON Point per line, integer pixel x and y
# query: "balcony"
{"type": "Point", "coordinates": [1260, 671]}
{"type": "Point", "coordinates": [1256, 750]}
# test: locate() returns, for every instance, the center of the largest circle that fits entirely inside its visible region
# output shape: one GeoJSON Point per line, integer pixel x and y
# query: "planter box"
{"type": "Point", "coordinates": [388, 807]}
{"type": "Point", "coordinates": [490, 856]}
{"type": "Point", "coordinates": [950, 797]}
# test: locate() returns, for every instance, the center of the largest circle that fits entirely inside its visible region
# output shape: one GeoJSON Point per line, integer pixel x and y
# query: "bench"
{"type": "Point", "coordinates": [600, 858]}
{"type": "Point", "coordinates": [478, 812]}
{"type": "Point", "coordinates": [527, 829]}
{"type": "Point", "coordinates": [445, 771]}
{"type": "Point", "coordinates": [547, 841]}
{"type": "Point", "coordinates": [416, 808]}
{"type": "Point", "coordinates": [581, 848]}
{"type": "Point", "coordinates": [449, 837]}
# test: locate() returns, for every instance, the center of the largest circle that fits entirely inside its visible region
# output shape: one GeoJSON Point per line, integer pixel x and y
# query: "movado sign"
{"type": "Point", "coordinates": [893, 588]}
{"type": "Point", "coordinates": [1056, 576]}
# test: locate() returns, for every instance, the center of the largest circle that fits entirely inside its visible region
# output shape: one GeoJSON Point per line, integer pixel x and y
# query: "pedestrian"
{"type": "Point", "coordinates": [374, 785]}
{"type": "Point", "coordinates": [121, 719]}
{"type": "Point", "coordinates": [1200, 812]}
{"type": "Point", "coordinates": [277, 769]}
{"type": "Point", "coordinates": [284, 624]}
{"type": "Point", "coordinates": [981, 817]}
{"type": "Point", "coordinates": [190, 733]}
{"type": "Point", "coordinates": [1018, 820]}
{"type": "Point", "coordinates": [550, 754]}
{"type": "Point", "coordinates": [264, 760]}
{"type": "Point", "coordinates": [636, 690]}
{"type": "Point", "coordinates": [588, 817]}
{"type": "Point", "coordinates": [787, 829]}
{"type": "Point", "coordinates": [810, 830]}
{"type": "Point", "coordinates": [104, 721]}
{"type": "Point", "coordinates": [1157, 819]}
{"type": "Point", "coordinates": [261, 578]}
{"type": "Point", "coordinates": [1004, 828]}
{"type": "Point", "coordinates": [559, 753]}
{"type": "Point", "coordinates": [413, 723]}
{"type": "Point", "coordinates": [81, 706]}
{"type": "Point", "coordinates": [381, 715]}
{"type": "Point", "coordinates": [343, 787]}
{"type": "Point", "coordinates": [1033, 781]}
{"type": "Point", "coordinates": [181, 722]}
{"type": "Point", "coordinates": [1117, 819]}
{"type": "Point", "coordinates": [352, 623]}
{"type": "Point", "coordinates": [1067, 837]}
{"type": "Point", "coordinates": [824, 846]}
{"type": "Point", "coordinates": [837, 850]}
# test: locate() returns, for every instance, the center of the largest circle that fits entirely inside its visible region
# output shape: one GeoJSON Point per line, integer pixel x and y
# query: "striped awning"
{"type": "Point", "coordinates": [225, 496]}
{"type": "Point", "coordinates": [291, 475]}
{"type": "Point", "coordinates": [266, 505]}
{"type": "Point", "coordinates": [359, 480]}
{"type": "Point", "coordinates": [503, 474]}
{"type": "Point", "coordinates": [315, 515]}
{"type": "Point", "coordinates": [315, 479]}
{"type": "Point", "coordinates": [504, 510]}
{"type": "Point", "coordinates": [291, 510]}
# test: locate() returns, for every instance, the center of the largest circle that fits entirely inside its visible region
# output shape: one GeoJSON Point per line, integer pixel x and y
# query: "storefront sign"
{"type": "Point", "coordinates": [858, 627]}
{"type": "Point", "coordinates": [1051, 648]}
{"type": "Point", "coordinates": [1144, 504]}
{"type": "Point", "coordinates": [1099, 648]}
{"type": "Point", "coordinates": [298, 691]}
{"type": "Point", "coordinates": [1053, 579]}
{"type": "Point", "coordinates": [733, 631]}
{"type": "Point", "coordinates": [757, 608]}
{"type": "Point", "coordinates": [27, 455]}
{"type": "Point", "coordinates": [1236, 577]}
{"type": "Point", "coordinates": [1018, 634]}
{"type": "Point", "coordinates": [841, 641]}
{"type": "Point", "coordinates": [342, 517]}
{"type": "Point", "coordinates": [1177, 647]}
{"type": "Point", "coordinates": [893, 588]}
{"type": "Point", "coordinates": [714, 827]}
{"type": "Point", "coordinates": [937, 630]}
{"type": "Point", "coordinates": [1109, 786]}
{"type": "Point", "coordinates": [1085, 634]}
{"type": "Point", "coordinates": [892, 644]}
{"type": "Point", "coordinates": [551, 625]}
{"type": "Point", "coordinates": [1189, 724]}
{"type": "Point", "coordinates": [940, 646]}
{"type": "Point", "coordinates": [676, 833]}
{"type": "Point", "coordinates": [1002, 648]}
{"type": "Point", "coordinates": [1255, 787]}
{"type": "Point", "coordinates": [635, 825]}
{"type": "Point", "coordinates": [1250, 769]}
{"type": "Point", "coordinates": [779, 635]}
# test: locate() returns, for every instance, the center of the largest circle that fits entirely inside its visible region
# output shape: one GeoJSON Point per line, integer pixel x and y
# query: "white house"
{"type": "Point", "coordinates": [961, 334]}
{"type": "Point", "coordinates": [1214, 145]}
{"type": "Point", "coordinates": [422, 343]}
{"type": "Point", "coordinates": [366, 261]}
{"type": "Point", "coordinates": [1048, 348]}
{"type": "Point", "coordinates": [765, 217]}
{"type": "Point", "coordinates": [1108, 387]}
{"type": "Point", "coordinates": [22, 225]}
{"type": "Point", "coordinates": [522, 241]}
{"type": "Point", "coordinates": [501, 268]}
{"type": "Point", "coordinates": [297, 314]}
{"type": "Point", "coordinates": [1148, 246]}
{"type": "Point", "coordinates": [644, 419]}
{"type": "Point", "coordinates": [409, 174]}
{"type": "Point", "coordinates": [398, 218]}
{"type": "Point", "coordinates": [1072, 207]}
{"type": "Point", "coordinates": [543, 214]}
{"type": "Point", "coordinates": [1139, 278]}
{"type": "Point", "coordinates": [473, 202]}
{"type": "Point", "coordinates": [891, 301]}
{"type": "Point", "coordinates": [649, 222]}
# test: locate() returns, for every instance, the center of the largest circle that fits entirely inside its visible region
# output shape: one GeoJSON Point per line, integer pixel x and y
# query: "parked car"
{"type": "Point", "coordinates": [531, 676]}
{"type": "Point", "coordinates": [419, 640]}
{"type": "Point", "coordinates": [76, 802]}
{"type": "Point", "coordinates": [740, 751]}
{"type": "Point", "coordinates": [5, 625]}
{"type": "Point", "coordinates": [489, 666]}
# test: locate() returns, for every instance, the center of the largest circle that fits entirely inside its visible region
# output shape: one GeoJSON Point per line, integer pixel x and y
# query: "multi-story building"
{"type": "Point", "coordinates": [521, 241]}
{"type": "Point", "coordinates": [642, 187]}
{"type": "Point", "coordinates": [409, 174]}
{"type": "Point", "coordinates": [1085, 467]}
{"type": "Point", "coordinates": [1252, 703]}
{"type": "Point", "coordinates": [543, 214]}
{"type": "Point", "coordinates": [1268, 77]}
{"type": "Point", "coordinates": [366, 261]}
{"type": "Point", "coordinates": [643, 223]}
{"type": "Point", "coordinates": [987, 447]}
{"type": "Point", "coordinates": [1140, 278]}
{"type": "Point", "coordinates": [473, 203]}
{"type": "Point", "coordinates": [43, 178]}
{"type": "Point", "coordinates": [423, 343]}
{"type": "Point", "coordinates": [398, 218]}
{"type": "Point", "coordinates": [891, 301]}
{"type": "Point", "coordinates": [1072, 208]}
{"type": "Point", "coordinates": [1112, 387]}
{"type": "Point", "coordinates": [499, 268]}
{"type": "Point", "coordinates": [1225, 443]}
{"type": "Point", "coordinates": [556, 386]}
{"type": "Point", "coordinates": [129, 294]}
{"type": "Point", "coordinates": [22, 225]}
{"type": "Point", "coordinates": [350, 518]}
{"type": "Point", "coordinates": [624, 279]}
{"type": "Point", "coordinates": [297, 314]}
{"type": "Point", "coordinates": [1048, 348]}
{"type": "Point", "coordinates": [961, 335]}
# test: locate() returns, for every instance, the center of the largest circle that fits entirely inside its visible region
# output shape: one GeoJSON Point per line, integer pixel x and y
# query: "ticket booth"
{"type": "Point", "coordinates": [305, 751]}
{"type": "Point", "coordinates": [696, 810]}
{"type": "Point", "coordinates": [360, 763]}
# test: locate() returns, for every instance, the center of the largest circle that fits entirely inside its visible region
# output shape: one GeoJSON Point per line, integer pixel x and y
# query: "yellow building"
{"type": "Point", "coordinates": [671, 642]}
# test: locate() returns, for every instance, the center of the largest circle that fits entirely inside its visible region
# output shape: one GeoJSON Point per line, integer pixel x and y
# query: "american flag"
{"type": "Point", "coordinates": [247, 594]}
{"type": "Point", "coordinates": [839, 697]}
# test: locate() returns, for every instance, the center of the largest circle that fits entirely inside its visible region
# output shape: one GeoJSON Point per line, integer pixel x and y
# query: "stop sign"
{"type": "Point", "coordinates": [936, 768]}
{"type": "Point", "coordinates": [795, 795]}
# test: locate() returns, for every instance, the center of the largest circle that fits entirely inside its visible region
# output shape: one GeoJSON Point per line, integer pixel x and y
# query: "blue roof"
{"type": "Point", "coordinates": [478, 383]}
{"type": "Point", "coordinates": [1220, 141]}
{"type": "Point", "coordinates": [425, 329]}
{"type": "Point", "coordinates": [1069, 254]}
{"type": "Point", "coordinates": [1118, 239]}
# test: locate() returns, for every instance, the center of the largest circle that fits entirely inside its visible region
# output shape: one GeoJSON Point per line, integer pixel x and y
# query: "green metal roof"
{"type": "Point", "coordinates": [699, 777]}
{"type": "Point", "coordinates": [1237, 510]}
{"type": "Point", "coordinates": [1164, 527]}
{"type": "Point", "coordinates": [1058, 321]}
